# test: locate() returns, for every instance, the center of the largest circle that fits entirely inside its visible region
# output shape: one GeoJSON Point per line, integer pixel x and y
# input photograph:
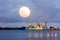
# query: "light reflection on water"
{"type": "Point", "coordinates": [43, 36]}
{"type": "Point", "coordinates": [29, 35]}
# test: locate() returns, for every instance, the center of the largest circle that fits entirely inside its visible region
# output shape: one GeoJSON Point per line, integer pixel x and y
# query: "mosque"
{"type": "Point", "coordinates": [37, 26]}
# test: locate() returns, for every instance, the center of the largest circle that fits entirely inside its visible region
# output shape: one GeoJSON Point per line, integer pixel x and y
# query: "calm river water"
{"type": "Point", "coordinates": [29, 35]}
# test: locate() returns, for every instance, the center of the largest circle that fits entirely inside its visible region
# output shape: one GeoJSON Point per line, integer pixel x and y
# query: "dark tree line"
{"type": "Point", "coordinates": [8, 28]}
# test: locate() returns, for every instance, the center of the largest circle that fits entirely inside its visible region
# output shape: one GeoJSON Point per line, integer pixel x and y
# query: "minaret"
{"type": "Point", "coordinates": [30, 23]}
{"type": "Point", "coordinates": [46, 25]}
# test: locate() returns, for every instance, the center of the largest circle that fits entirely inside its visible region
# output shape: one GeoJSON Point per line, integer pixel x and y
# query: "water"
{"type": "Point", "coordinates": [29, 35]}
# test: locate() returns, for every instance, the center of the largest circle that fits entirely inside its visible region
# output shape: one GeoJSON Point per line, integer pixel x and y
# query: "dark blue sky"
{"type": "Point", "coordinates": [41, 10]}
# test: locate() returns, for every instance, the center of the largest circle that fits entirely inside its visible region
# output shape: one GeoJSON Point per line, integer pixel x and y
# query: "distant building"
{"type": "Point", "coordinates": [36, 26]}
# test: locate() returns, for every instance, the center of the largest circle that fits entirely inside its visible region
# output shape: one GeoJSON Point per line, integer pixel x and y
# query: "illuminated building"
{"type": "Point", "coordinates": [36, 26]}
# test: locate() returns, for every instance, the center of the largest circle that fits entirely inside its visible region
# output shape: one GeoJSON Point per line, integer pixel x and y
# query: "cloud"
{"type": "Point", "coordinates": [47, 10]}
{"type": "Point", "coordinates": [41, 10]}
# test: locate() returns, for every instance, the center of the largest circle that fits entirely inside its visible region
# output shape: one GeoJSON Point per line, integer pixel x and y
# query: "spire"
{"type": "Point", "coordinates": [46, 24]}
{"type": "Point", "coordinates": [30, 23]}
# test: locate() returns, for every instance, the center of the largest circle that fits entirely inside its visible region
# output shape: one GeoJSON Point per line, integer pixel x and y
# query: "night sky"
{"type": "Point", "coordinates": [41, 10]}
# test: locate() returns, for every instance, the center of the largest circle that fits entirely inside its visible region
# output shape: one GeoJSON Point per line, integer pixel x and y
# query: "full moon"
{"type": "Point", "coordinates": [24, 12]}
